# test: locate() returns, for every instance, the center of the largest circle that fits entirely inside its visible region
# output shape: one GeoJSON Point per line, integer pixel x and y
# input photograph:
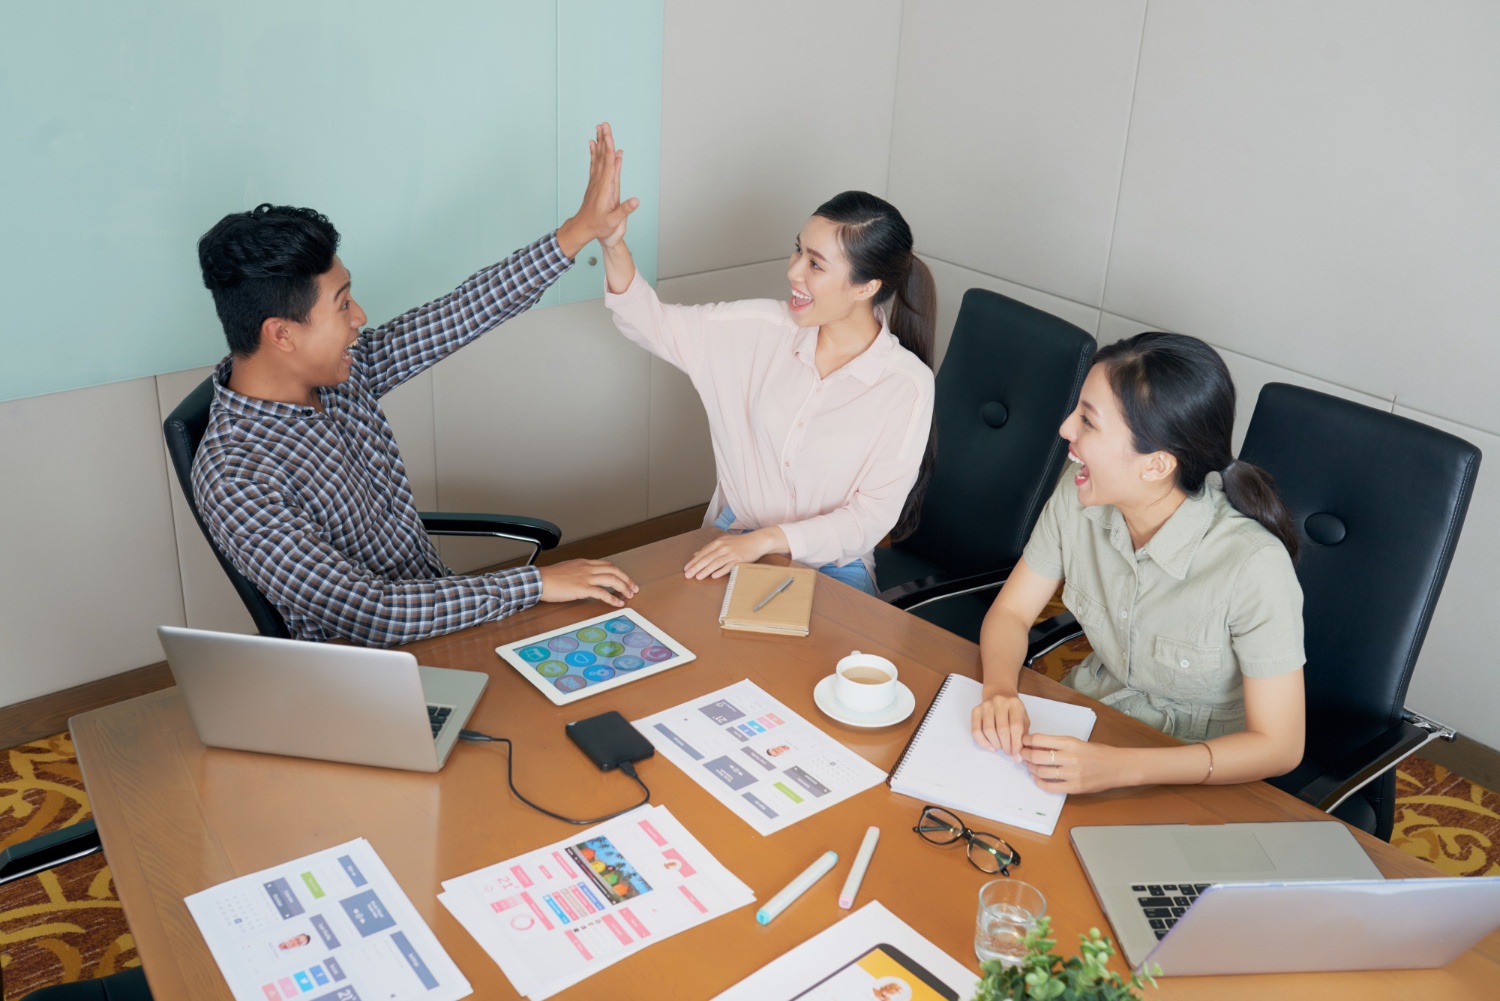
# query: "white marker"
{"type": "Point", "coordinates": [857, 873]}
{"type": "Point", "coordinates": [797, 887]}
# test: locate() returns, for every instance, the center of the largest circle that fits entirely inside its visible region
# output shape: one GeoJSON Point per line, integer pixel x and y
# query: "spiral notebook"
{"type": "Point", "coordinates": [943, 766]}
{"type": "Point", "coordinates": [788, 613]}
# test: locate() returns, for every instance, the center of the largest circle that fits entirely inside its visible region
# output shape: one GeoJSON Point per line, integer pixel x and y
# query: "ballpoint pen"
{"type": "Point", "coordinates": [774, 592]}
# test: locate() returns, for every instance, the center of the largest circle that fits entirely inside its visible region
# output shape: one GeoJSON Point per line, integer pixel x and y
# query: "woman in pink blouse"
{"type": "Point", "coordinates": [819, 405]}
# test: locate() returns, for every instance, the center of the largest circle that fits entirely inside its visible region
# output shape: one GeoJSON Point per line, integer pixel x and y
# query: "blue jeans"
{"type": "Point", "coordinates": [854, 574]}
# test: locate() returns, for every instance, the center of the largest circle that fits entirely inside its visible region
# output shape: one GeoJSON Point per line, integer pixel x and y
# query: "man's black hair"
{"type": "Point", "coordinates": [265, 263]}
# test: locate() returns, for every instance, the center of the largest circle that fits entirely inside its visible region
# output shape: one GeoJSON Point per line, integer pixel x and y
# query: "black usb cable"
{"type": "Point", "coordinates": [627, 767]}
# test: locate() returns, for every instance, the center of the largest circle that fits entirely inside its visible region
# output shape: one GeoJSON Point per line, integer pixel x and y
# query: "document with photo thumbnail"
{"type": "Point", "coordinates": [757, 757]}
{"type": "Point", "coordinates": [331, 926]}
{"type": "Point", "coordinates": [561, 913]}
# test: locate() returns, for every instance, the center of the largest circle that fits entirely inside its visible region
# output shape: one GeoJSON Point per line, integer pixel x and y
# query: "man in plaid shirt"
{"type": "Point", "coordinates": [298, 476]}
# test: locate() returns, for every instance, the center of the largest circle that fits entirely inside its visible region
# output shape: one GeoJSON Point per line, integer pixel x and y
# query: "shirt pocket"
{"type": "Point", "coordinates": [1086, 609]}
{"type": "Point", "coordinates": [1190, 672]}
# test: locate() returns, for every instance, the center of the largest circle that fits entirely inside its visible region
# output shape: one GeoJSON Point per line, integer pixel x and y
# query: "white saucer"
{"type": "Point", "coordinates": [891, 714]}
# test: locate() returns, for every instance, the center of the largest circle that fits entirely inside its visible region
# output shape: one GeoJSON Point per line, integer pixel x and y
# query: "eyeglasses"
{"type": "Point", "coordinates": [987, 852]}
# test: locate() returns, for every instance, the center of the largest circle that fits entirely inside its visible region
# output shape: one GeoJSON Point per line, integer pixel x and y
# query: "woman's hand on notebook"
{"type": "Point", "coordinates": [1069, 765]}
{"type": "Point", "coordinates": [1000, 723]}
{"type": "Point", "coordinates": [719, 557]}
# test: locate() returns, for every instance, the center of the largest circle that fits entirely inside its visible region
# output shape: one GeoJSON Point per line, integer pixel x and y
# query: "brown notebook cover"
{"type": "Point", "coordinates": [790, 612]}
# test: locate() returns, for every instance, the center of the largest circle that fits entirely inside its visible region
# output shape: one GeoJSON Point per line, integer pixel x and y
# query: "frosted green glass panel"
{"type": "Point", "coordinates": [427, 133]}
{"type": "Point", "coordinates": [590, 92]}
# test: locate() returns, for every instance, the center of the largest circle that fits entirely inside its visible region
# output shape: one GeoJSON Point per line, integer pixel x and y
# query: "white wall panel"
{"type": "Point", "coordinates": [953, 281]}
{"type": "Point", "coordinates": [1314, 181]}
{"type": "Point", "coordinates": [208, 598]}
{"type": "Point", "coordinates": [1009, 134]}
{"type": "Point", "coordinates": [1249, 374]}
{"type": "Point", "coordinates": [88, 551]}
{"type": "Point", "coordinates": [546, 417]}
{"type": "Point", "coordinates": [768, 109]}
{"type": "Point", "coordinates": [1456, 680]}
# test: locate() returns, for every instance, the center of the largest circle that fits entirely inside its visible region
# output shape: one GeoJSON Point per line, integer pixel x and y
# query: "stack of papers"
{"type": "Point", "coordinates": [334, 924]}
{"type": "Point", "coordinates": [757, 757]}
{"type": "Point", "coordinates": [561, 913]}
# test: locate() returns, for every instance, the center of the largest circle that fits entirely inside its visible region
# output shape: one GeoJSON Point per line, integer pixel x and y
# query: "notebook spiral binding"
{"type": "Point", "coordinates": [917, 733]}
{"type": "Point", "coordinates": [728, 594]}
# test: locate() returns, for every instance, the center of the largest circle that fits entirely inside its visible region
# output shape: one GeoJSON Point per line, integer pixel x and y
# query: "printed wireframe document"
{"type": "Point", "coordinates": [559, 914]}
{"type": "Point", "coordinates": [770, 766]}
{"type": "Point", "coordinates": [942, 764]}
{"type": "Point", "coordinates": [334, 924]}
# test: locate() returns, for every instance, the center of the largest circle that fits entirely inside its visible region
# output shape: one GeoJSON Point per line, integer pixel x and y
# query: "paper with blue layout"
{"type": "Point", "coordinates": [334, 924]}
{"type": "Point", "coordinates": [770, 766]}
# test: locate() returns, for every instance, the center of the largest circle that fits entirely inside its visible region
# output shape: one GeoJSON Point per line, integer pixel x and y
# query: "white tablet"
{"type": "Point", "coordinates": [593, 656]}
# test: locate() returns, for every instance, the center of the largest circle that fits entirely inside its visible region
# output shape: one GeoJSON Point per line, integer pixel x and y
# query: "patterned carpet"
{"type": "Point", "coordinates": [67, 925]}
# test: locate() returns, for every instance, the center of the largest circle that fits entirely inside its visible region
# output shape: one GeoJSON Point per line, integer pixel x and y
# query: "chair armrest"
{"type": "Point", "coordinates": [1368, 762]}
{"type": "Point", "coordinates": [923, 590]}
{"type": "Point", "coordinates": [1050, 634]}
{"type": "Point", "coordinates": [47, 850]}
{"type": "Point", "coordinates": [536, 532]}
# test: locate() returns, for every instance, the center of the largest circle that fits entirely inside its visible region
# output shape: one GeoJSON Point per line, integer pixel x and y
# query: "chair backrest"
{"type": "Point", "coordinates": [184, 428]}
{"type": "Point", "coordinates": [1378, 501]}
{"type": "Point", "coordinates": [1010, 377]}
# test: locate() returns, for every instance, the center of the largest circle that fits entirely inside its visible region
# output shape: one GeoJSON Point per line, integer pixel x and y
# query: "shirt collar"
{"type": "Point", "coordinates": [867, 366]}
{"type": "Point", "coordinates": [239, 405]}
{"type": "Point", "coordinates": [1173, 546]}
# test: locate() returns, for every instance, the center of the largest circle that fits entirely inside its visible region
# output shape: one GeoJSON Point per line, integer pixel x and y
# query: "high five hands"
{"type": "Point", "coordinates": [602, 215]}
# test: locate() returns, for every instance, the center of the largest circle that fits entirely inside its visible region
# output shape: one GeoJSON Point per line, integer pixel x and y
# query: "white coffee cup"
{"type": "Point", "coordinates": [864, 683]}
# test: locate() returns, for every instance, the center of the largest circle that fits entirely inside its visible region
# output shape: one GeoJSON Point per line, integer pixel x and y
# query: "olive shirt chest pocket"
{"type": "Point", "coordinates": [1190, 671]}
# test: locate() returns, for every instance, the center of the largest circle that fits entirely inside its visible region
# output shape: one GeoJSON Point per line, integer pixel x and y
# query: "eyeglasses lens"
{"type": "Point", "coordinates": [991, 854]}
{"type": "Point", "coordinates": [940, 827]}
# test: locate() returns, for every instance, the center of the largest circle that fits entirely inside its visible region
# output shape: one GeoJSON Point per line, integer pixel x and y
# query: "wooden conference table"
{"type": "Point", "coordinates": [176, 817]}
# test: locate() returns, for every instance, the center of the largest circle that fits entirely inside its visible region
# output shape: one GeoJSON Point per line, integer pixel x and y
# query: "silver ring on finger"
{"type": "Point", "coordinates": [1054, 757]}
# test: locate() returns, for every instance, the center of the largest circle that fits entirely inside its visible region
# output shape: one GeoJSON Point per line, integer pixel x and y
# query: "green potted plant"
{"type": "Point", "coordinates": [1045, 976]}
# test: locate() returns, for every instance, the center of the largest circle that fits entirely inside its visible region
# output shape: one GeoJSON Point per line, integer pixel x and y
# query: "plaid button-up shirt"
{"type": "Point", "coordinates": [316, 508]}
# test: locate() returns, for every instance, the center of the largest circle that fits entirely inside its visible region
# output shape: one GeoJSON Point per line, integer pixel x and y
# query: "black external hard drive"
{"type": "Point", "coordinates": [609, 740]}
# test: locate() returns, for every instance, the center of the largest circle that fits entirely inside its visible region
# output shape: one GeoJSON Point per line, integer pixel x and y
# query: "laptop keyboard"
{"type": "Point", "coordinates": [1164, 903]}
{"type": "Point", "coordinates": [437, 716]}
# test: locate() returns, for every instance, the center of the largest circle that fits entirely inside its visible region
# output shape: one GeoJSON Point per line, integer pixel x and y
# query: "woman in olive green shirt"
{"type": "Point", "coordinates": [1177, 562]}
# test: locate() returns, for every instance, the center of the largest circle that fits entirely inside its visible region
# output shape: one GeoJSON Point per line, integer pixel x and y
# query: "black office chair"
{"type": "Point", "coordinates": [1379, 501]}
{"type": "Point", "coordinates": [184, 429]}
{"type": "Point", "coordinates": [46, 851]}
{"type": "Point", "coordinates": [1010, 377]}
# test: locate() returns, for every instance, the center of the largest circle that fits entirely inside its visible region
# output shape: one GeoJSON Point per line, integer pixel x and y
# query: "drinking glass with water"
{"type": "Point", "coordinates": [1008, 909]}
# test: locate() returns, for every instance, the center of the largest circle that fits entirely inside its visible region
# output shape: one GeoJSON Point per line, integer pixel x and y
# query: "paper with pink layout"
{"type": "Point", "coordinates": [558, 914]}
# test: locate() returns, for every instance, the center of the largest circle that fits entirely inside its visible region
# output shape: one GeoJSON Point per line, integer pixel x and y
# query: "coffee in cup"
{"type": "Point", "coordinates": [864, 683]}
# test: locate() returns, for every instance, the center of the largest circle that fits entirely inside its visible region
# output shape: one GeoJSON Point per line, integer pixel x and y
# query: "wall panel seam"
{"type": "Point", "coordinates": [1114, 224]}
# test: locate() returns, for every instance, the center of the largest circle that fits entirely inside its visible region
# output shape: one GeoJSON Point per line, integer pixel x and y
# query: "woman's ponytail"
{"type": "Point", "coordinates": [1252, 491]}
{"type": "Point", "coordinates": [913, 320]}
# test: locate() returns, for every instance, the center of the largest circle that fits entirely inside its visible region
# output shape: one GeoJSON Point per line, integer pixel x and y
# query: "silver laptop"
{"type": "Point", "coordinates": [320, 700]}
{"type": "Point", "coordinates": [1274, 898]}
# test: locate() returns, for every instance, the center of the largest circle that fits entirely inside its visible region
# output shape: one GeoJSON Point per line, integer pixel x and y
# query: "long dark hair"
{"type": "Point", "coordinates": [877, 241]}
{"type": "Point", "coordinates": [1177, 397]}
